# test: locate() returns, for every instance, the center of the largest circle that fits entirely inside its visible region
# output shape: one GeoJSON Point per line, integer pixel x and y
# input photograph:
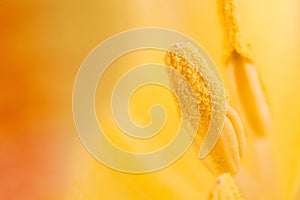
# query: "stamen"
{"type": "Point", "coordinates": [225, 156]}
{"type": "Point", "coordinates": [244, 82]}
{"type": "Point", "coordinates": [197, 83]}
{"type": "Point", "coordinates": [235, 40]}
{"type": "Point", "coordinates": [224, 189]}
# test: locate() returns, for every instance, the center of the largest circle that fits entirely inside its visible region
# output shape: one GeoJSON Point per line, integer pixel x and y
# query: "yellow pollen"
{"type": "Point", "coordinates": [198, 85]}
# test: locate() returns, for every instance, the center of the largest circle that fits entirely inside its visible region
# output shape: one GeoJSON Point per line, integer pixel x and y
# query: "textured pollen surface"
{"type": "Point", "coordinates": [235, 41]}
{"type": "Point", "coordinates": [175, 58]}
{"type": "Point", "coordinates": [200, 83]}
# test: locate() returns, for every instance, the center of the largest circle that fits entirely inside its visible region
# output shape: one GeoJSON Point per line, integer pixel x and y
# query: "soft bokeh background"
{"type": "Point", "coordinates": [42, 44]}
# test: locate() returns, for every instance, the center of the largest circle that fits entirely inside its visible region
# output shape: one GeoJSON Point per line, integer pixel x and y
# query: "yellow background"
{"type": "Point", "coordinates": [42, 46]}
